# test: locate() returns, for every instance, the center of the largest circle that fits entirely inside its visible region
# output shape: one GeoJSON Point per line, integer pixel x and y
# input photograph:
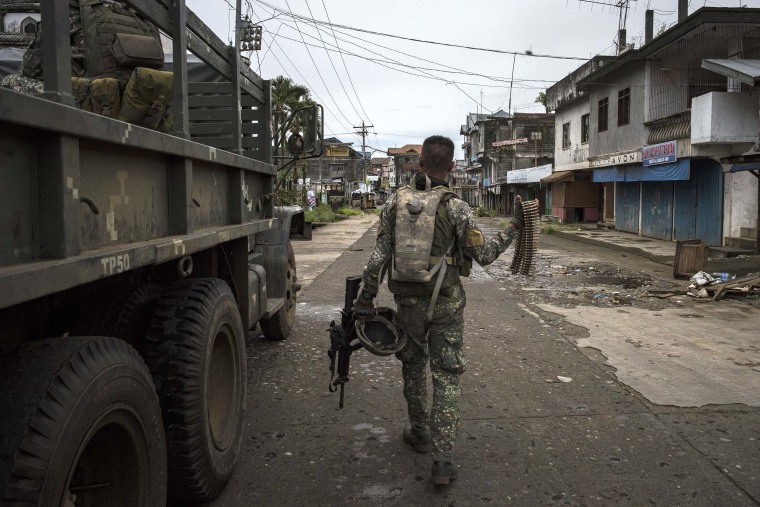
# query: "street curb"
{"type": "Point", "coordinates": [660, 259]}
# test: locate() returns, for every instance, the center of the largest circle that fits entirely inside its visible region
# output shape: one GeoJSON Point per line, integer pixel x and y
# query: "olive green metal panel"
{"type": "Point", "coordinates": [210, 195]}
{"type": "Point", "coordinates": [130, 191]}
{"type": "Point", "coordinates": [16, 200]}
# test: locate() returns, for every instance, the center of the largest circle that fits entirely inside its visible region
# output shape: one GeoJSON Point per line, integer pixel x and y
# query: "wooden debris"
{"type": "Point", "coordinates": [737, 286]}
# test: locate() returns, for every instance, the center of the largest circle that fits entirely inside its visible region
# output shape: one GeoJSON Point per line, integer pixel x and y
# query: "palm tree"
{"type": "Point", "coordinates": [286, 97]}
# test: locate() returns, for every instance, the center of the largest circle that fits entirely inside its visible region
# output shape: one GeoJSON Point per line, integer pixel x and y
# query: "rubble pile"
{"type": "Point", "coordinates": [719, 285]}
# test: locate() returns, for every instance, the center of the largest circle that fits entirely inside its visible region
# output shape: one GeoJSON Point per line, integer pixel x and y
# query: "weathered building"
{"type": "Point", "coordinates": [339, 163]}
{"type": "Point", "coordinates": [406, 160]}
{"type": "Point", "coordinates": [499, 143]}
{"type": "Point", "coordinates": [572, 196]}
{"type": "Point", "coordinates": [661, 124]}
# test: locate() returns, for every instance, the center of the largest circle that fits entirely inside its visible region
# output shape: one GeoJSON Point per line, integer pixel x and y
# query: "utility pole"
{"type": "Point", "coordinates": [363, 131]}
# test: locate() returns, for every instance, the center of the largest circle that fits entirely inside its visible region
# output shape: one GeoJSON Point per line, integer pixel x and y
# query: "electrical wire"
{"type": "Point", "coordinates": [345, 67]}
{"type": "Point", "coordinates": [285, 54]}
{"type": "Point", "coordinates": [333, 65]}
{"type": "Point", "coordinates": [327, 88]}
{"type": "Point", "coordinates": [445, 44]}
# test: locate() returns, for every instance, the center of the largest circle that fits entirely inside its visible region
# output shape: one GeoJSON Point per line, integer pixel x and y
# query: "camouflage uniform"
{"type": "Point", "coordinates": [440, 339]}
{"type": "Point", "coordinates": [29, 79]}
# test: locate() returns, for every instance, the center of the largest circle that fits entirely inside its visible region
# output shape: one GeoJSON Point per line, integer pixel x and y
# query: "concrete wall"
{"type": "Point", "coordinates": [720, 117]}
{"type": "Point", "coordinates": [627, 137]}
{"type": "Point", "coordinates": [740, 198]}
{"type": "Point", "coordinates": [577, 152]}
{"type": "Point", "coordinates": [12, 20]}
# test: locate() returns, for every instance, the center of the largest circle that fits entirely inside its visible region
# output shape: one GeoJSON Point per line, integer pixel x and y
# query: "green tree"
{"type": "Point", "coordinates": [541, 99]}
{"type": "Point", "coordinates": [286, 97]}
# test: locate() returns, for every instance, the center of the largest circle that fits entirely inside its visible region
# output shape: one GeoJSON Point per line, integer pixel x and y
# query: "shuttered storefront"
{"type": "Point", "coordinates": [627, 198]}
{"type": "Point", "coordinates": [698, 203]}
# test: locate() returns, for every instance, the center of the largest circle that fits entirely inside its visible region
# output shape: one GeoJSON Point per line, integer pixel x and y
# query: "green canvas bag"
{"type": "Point", "coordinates": [147, 99]}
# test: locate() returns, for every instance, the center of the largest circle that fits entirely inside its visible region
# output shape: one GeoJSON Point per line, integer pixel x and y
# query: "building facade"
{"type": "Point", "coordinates": [662, 130]}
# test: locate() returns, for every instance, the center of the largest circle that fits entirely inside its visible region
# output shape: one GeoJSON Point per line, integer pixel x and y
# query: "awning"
{"type": "Point", "coordinates": [607, 174]}
{"type": "Point", "coordinates": [559, 176]}
{"type": "Point", "coordinates": [750, 166]}
{"type": "Point", "coordinates": [746, 71]}
{"type": "Point", "coordinates": [676, 171]}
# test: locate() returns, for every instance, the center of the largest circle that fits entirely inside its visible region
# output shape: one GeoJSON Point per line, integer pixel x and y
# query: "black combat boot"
{"type": "Point", "coordinates": [420, 440]}
{"type": "Point", "coordinates": [443, 472]}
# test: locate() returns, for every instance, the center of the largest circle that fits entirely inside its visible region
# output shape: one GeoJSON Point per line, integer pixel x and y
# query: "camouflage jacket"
{"type": "Point", "coordinates": [469, 239]}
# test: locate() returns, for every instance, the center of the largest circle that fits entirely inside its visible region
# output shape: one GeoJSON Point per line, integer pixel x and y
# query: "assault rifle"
{"type": "Point", "coordinates": [341, 337]}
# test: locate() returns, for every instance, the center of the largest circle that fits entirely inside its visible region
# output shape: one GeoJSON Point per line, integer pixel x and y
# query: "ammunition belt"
{"type": "Point", "coordinates": [526, 242]}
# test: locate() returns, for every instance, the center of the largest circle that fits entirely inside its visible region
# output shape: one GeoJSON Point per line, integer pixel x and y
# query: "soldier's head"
{"type": "Point", "coordinates": [437, 158]}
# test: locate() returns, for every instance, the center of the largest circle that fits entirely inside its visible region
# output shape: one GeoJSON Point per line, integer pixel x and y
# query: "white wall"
{"type": "Point", "coordinates": [577, 152]}
{"type": "Point", "coordinates": [740, 196]}
{"type": "Point", "coordinates": [14, 19]}
{"type": "Point", "coordinates": [721, 117]}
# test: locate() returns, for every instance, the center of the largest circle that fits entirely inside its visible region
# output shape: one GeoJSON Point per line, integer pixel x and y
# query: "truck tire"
{"type": "Point", "coordinates": [195, 350]}
{"type": "Point", "coordinates": [81, 426]}
{"type": "Point", "coordinates": [125, 313]}
{"type": "Point", "coordinates": [278, 327]}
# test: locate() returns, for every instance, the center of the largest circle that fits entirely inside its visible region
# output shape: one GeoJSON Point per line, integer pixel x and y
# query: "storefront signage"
{"type": "Point", "coordinates": [662, 153]}
{"type": "Point", "coordinates": [631, 157]}
{"type": "Point", "coordinates": [337, 151]}
{"type": "Point", "coordinates": [530, 175]}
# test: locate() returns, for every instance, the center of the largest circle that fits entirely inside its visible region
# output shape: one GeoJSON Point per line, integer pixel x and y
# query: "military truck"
{"type": "Point", "coordinates": [133, 266]}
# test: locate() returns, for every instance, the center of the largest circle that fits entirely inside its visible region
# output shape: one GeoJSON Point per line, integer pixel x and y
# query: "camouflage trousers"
{"type": "Point", "coordinates": [23, 84]}
{"type": "Point", "coordinates": [440, 342]}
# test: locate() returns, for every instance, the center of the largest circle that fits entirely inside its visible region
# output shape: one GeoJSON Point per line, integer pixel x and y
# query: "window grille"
{"type": "Point", "coordinates": [677, 73]}
{"type": "Point", "coordinates": [603, 112]}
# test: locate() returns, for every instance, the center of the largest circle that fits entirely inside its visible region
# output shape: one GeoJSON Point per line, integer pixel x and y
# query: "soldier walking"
{"type": "Point", "coordinates": [427, 239]}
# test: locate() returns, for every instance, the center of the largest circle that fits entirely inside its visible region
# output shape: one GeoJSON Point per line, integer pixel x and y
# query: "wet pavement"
{"type": "Point", "coordinates": [568, 399]}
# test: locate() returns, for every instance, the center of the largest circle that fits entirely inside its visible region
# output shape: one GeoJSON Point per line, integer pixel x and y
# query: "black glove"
{"type": "Point", "coordinates": [519, 219]}
{"type": "Point", "coordinates": [364, 306]}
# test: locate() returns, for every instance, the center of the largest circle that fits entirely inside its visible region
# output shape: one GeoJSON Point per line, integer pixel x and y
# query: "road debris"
{"type": "Point", "coordinates": [706, 286]}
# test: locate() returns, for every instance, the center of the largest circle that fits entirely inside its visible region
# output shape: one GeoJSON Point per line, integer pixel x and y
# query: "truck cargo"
{"type": "Point", "coordinates": [134, 265]}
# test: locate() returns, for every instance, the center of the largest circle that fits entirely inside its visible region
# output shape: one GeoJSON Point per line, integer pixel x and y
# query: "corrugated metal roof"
{"type": "Point", "coordinates": [746, 71]}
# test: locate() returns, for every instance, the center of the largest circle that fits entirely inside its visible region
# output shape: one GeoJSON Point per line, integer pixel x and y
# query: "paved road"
{"type": "Point", "coordinates": [526, 438]}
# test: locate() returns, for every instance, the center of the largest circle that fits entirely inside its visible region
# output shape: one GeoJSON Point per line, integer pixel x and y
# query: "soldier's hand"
{"type": "Point", "coordinates": [519, 219]}
{"type": "Point", "coordinates": [364, 306]}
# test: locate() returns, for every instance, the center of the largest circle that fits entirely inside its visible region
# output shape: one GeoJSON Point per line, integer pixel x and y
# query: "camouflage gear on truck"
{"type": "Point", "coordinates": [23, 84]}
{"type": "Point", "coordinates": [439, 339]}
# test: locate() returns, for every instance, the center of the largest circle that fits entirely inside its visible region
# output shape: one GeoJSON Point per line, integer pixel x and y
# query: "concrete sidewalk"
{"type": "Point", "coordinates": [656, 250]}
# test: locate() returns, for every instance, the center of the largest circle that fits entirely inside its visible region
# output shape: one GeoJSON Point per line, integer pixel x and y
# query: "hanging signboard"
{"type": "Point", "coordinates": [337, 151]}
{"type": "Point", "coordinates": [510, 142]}
{"type": "Point", "coordinates": [530, 175]}
{"type": "Point", "coordinates": [663, 153]}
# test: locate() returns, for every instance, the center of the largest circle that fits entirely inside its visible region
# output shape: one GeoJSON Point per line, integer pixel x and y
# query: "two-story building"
{"type": "Point", "coordinates": [572, 195]}
{"type": "Point", "coordinates": [496, 144]}
{"type": "Point", "coordinates": [406, 161]}
{"type": "Point", "coordinates": [659, 125]}
{"type": "Point", "coordinates": [339, 164]}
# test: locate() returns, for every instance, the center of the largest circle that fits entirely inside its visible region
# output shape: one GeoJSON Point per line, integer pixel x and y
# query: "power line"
{"type": "Point", "coordinates": [426, 75]}
{"type": "Point", "coordinates": [333, 65]}
{"type": "Point", "coordinates": [317, 67]}
{"type": "Point", "coordinates": [351, 81]}
{"type": "Point", "coordinates": [422, 41]}
{"type": "Point", "coordinates": [305, 81]}
{"type": "Point", "coordinates": [285, 54]}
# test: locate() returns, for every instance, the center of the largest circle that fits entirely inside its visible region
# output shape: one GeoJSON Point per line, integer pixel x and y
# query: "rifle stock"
{"type": "Point", "coordinates": [341, 337]}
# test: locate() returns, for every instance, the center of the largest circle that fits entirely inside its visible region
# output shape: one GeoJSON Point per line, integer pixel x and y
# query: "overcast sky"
{"type": "Point", "coordinates": [400, 93]}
